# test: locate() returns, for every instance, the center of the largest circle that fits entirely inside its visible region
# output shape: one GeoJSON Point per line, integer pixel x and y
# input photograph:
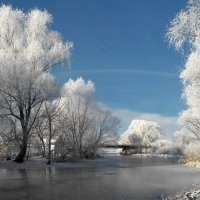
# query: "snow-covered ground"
{"type": "Point", "coordinates": [157, 156]}
{"type": "Point", "coordinates": [193, 194]}
{"type": "Point", "coordinates": [193, 164]}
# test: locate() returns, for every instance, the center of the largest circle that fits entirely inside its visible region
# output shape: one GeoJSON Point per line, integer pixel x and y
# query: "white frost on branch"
{"type": "Point", "coordinates": [78, 87]}
{"type": "Point", "coordinates": [185, 27]}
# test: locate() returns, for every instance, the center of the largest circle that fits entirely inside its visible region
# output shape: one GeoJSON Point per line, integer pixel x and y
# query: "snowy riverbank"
{"type": "Point", "coordinates": [192, 194]}
{"type": "Point", "coordinates": [158, 156]}
{"type": "Point", "coordinates": [42, 163]}
{"type": "Point", "coordinates": [38, 162]}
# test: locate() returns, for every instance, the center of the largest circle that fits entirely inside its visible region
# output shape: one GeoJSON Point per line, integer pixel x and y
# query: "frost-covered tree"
{"type": "Point", "coordinates": [102, 131]}
{"type": "Point", "coordinates": [48, 127]}
{"type": "Point", "coordinates": [28, 51]}
{"type": "Point", "coordinates": [78, 100]}
{"type": "Point", "coordinates": [192, 150]}
{"type": "Point", "coordinates": [86, 125]}
{"type": "Point", "coordinates": [9, 136]}
{"type": "Point", "coordinates": [185, 27]}
{"type": "Point", "coordinates": [142, 132]}
{"type": "Point", "coordinates": [184, 33]}
{"type": "Point", "coordinates": [170, 147]}
{"type": "Point", "coordinates": [182, 138]}
{"type": "Point", "coordinates": [79, 87]}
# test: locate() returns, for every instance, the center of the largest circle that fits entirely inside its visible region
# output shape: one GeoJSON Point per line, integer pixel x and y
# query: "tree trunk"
{"type": "Point", "coordinates": [43, 149]}
{"type": "Point", "coordinates": [20, 157]}
{"type": "Point", "coordinates": [49, 153]}
{"type": "Point", "coordinates": [49, 145]}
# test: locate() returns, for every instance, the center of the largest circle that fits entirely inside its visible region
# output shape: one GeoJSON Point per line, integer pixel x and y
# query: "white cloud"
{"type": "Point", "coordinates": [168, 123]}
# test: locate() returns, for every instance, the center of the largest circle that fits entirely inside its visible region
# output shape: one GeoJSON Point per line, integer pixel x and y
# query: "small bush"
{"type": "Point", "coordinates": [168, 147]}
{"type": "Point", "coordinates": [192, 151]}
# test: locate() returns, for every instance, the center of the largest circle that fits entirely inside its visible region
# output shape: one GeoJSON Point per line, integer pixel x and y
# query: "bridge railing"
{"type": "Point", "coordinates": [126, 146]}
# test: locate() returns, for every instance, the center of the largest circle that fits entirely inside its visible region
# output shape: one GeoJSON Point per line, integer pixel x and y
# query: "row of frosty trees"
{"type": "Point", "coordinates": [148, 137]}
{"type": "Point", "coordinates": [35, 116]}
{"type": "Point", "coordinates": [184, 34]}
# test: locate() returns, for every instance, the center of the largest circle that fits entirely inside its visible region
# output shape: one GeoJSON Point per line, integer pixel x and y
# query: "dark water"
{"type": "Point", "coordinates": [113, 178]}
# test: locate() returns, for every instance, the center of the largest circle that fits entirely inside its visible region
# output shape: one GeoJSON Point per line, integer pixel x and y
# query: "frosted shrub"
{"type": "Point", "coordinates": [192, 151]}
{"type": "Point", "coordinates": [168, 147]}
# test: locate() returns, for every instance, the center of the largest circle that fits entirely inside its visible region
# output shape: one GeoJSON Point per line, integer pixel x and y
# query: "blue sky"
{"type": "Point", "coordinates": [120, 45]}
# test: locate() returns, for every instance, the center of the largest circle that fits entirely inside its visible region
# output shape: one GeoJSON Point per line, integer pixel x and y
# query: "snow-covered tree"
{"type": "Point", "coordinates": [86, 125]}
{"type": "Point", "coordinates": [28, 51]}
{"type": "Point", "coordinates": [182, 137]}
{"type": "Point", "coordinates": [184, 33]}
{"type": "Point", "coordinates": [170, 147]}
{"type": "Point", "coordinates": [192, 150]}
{"type": "Point", "coordinates": [142, 132]}
{"type": "Point", "coordinates": [103, 131]}
{"type": "Point", "coordinates": [77, 97]}
{"type": "Point", "coordinates": [78, 87]}
{"type": "Point", "coordinates": [185, 27]}
{"type": "Point", "coordinates": [47, 126]}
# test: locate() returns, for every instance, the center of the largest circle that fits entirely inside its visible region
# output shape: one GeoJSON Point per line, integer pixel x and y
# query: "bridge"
{"type": "Point", "coordinates": [119, 146]}
{"type": "Point", "coordinates": [124, 148]}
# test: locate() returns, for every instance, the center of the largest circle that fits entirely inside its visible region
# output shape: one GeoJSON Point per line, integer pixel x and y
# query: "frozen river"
{"type": "Point", "coordinates": [113, 178]}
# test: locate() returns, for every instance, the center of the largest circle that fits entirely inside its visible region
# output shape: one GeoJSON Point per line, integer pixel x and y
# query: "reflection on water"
{"type": "Point", "coordinates": [109, 178]}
